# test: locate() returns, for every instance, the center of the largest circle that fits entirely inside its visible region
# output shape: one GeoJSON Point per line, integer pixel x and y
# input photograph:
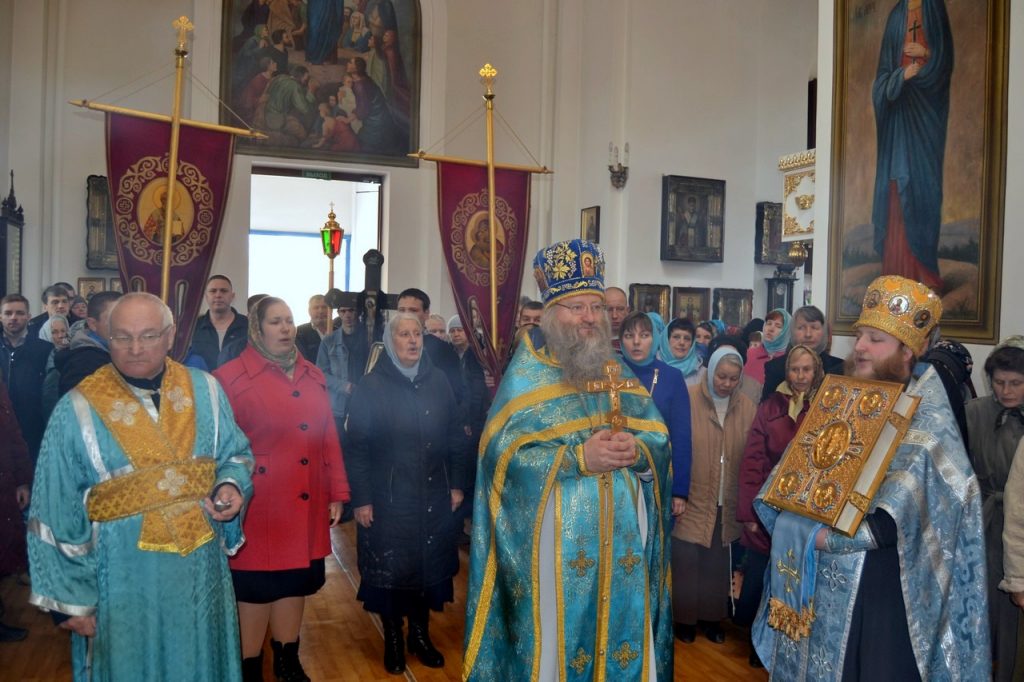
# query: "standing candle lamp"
{"type": "Point", "coordinates": [331, 237]}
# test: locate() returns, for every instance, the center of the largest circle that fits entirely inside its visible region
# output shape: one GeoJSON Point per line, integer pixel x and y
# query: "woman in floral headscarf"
{"type": "Point", "coordinates": [775, 424]}
{"type": "Point", "coordinates": [280, 401]}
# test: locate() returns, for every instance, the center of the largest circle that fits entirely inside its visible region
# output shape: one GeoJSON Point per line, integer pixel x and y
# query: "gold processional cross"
{"type": "Point", "coordinates": [613, 384]}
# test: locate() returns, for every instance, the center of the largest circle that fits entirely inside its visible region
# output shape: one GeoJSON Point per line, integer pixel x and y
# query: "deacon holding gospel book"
{"type": "Point", "coordinates": [913, 571]}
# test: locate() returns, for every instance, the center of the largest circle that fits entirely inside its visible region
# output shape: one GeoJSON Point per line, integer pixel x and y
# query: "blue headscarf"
{"type": "Point", "coordinates": [689, 363]}
{"type": "Point", "coordinates": [779, 343]}
{"type": "Point", "coordinates": [716, 357]}
{"type": "Point", "coordinates": [389, 345]}
{"type": "Point", "coordinates": [658, 326]}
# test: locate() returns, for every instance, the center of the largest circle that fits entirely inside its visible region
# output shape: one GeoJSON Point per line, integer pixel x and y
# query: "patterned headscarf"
{"type": "Point", "coordinates": [798, 400]}
{"type": "Point", "coordinates": [286, 361]}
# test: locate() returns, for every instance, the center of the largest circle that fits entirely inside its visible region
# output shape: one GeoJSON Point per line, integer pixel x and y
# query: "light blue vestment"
{"type": "Point", "coordinates": [159, 615]}
{"type": "Point", "coordinates": [609, 615]}
{"type": "Point", "coordinates": [930, 491]}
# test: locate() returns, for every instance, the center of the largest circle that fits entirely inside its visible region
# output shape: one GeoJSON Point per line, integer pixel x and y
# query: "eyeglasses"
{"type": "Point", "coordinates": [145, 340]}
{"type": "Point", "coordinates": [579, 309]}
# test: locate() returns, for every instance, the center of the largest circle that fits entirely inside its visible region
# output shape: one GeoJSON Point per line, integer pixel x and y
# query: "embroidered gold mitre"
{"type": "Point", "coordinates": [167, 482]}
{"type": "Point", "coordinates": [838, 458]}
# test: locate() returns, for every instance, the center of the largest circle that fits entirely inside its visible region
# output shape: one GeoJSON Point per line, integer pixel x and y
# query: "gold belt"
{"type": "Point", "coordinates": [167, 495]}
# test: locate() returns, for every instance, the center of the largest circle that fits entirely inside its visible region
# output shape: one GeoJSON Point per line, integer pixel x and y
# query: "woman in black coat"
{"type": "Point", "coordinates": [405, 462]}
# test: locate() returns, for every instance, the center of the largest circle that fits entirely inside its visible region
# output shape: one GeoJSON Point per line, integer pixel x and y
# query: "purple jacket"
{"type": "Point", "coordinates": [769, 437]}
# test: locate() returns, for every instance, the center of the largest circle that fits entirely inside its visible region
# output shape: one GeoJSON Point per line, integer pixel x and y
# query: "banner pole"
{"type": "Point", "coordinates": [183, 25]}
{"type": "Point", "coordinates": [487, 75]}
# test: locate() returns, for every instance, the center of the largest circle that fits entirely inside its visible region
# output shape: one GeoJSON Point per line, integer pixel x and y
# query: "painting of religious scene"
{"type": "Point", "coordinates": [918, 158]}
{"type": "Point", "coordinates": [335, 80]}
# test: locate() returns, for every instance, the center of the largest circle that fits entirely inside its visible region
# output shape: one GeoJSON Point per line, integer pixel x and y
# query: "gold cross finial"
{"type": "Point", "coordinates": [487, 75]}
{"type": "Point", "coordinates": [183, 26]}
{"type": "Point", "coordinates": [613, 385]}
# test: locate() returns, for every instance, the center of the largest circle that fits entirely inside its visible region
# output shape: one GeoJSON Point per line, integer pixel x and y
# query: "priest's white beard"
{"type": "Point", "coordinates": [582, 357]}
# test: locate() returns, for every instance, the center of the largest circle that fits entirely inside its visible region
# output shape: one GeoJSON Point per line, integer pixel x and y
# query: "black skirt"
{"type": "Point", "coordinates": [263, 587]}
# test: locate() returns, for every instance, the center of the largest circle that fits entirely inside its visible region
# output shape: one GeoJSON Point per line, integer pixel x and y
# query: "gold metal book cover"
{"type": "Point", "coordinates": [838, 458]}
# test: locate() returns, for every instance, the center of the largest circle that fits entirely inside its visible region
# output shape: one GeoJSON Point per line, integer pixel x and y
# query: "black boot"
{"type": "Point", "coordinates": [420, 644]}
{"type": "Point", "coordinates": [394, 647]}
{"type": "Point", "coordinates": [252, 669]}
{"type": "Point", "coordinates": [287, 667]}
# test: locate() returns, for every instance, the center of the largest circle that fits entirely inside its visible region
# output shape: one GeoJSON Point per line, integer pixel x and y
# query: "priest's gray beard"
{"type": "Point", "coordinates": [582, 358]}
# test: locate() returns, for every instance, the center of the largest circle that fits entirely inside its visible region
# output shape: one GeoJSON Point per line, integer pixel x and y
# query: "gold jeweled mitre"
{"type": "Point", "coordinates": [838, 458]}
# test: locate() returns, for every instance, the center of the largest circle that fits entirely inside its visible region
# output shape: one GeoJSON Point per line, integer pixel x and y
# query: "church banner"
{"type": "Point", "coordinates": [465, 237]}
{"type": "Point", "coordinates": [137, 164]}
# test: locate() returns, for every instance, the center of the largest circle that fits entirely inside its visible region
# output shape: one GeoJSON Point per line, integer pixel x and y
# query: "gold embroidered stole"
{"type": "Point", "coordinates": [167, 482]}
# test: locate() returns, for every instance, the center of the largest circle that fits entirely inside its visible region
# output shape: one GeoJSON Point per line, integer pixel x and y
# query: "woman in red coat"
{"type": "Point", "coordinates": [280, 401]}
{"type": "Point", "coordinates": [775, 424]}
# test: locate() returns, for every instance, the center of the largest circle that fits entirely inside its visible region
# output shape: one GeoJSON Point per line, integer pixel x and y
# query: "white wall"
{"type": "Point", "coordinates": [708, 88]}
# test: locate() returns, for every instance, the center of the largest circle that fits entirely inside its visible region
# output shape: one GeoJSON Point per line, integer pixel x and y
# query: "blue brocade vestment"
{"type": "Point", "coordinates": [561, 556]}
{"type": "Point", "coordinates": [159, 615]}
{"type": "Point", "coordinates": [931, 493]}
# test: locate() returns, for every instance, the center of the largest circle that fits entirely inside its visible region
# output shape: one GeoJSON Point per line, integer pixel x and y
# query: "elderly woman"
{"type": "Point", "coordinates": [678, 349]}
{"type": "Point", "coordinates": [720, 417]}
{"type": "Point", "coordinates": [280, 402]}
{"type": "Point", "coordinates": [406, 460]}
{"type": "Point", "coordinates": [56, 331]}
{"type": "Point", "coordinates": [667, 388]}
{"type": "Point", "coordinates": [774, 339]}
{"type": "Point", "coordinates": [775, 424]}
{"type": "Point", "coordinates": [995, 424]}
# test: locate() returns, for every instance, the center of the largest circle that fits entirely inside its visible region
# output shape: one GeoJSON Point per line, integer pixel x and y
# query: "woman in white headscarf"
{"type": "Point", "coordinates": [406, 460]}
{"type": "Point", "coordinates": [720, 418]}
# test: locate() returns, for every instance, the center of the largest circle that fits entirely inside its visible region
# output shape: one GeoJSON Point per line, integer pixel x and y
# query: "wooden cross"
{"type": "Point", "coordinates": [613, 385]}
{"type": "Point", "coordinates": [789, 572]}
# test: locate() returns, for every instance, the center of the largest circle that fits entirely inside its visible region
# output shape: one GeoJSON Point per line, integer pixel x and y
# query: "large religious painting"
{"type": "Point", "coordinates": [334, 80]}
{"type": "Point", "coordinates": [919, 155]}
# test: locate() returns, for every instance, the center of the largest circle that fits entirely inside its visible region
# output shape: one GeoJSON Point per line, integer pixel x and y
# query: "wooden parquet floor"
{"type": "Point", "coordinates": [341, 641]}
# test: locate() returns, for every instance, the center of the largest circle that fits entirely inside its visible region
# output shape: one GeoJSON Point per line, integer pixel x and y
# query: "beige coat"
{"type": "Point", "coordinates": [1013, 525]}
{"type": "Point", "coordinates": [698, 521]}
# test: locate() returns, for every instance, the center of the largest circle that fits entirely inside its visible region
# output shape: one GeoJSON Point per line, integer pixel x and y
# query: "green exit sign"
{"type": "Point", "coordinates": [317, 174]}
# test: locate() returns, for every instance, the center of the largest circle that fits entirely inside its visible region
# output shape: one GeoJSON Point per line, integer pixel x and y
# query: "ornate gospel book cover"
{"type": "Point", "coordinates": [838, 458]}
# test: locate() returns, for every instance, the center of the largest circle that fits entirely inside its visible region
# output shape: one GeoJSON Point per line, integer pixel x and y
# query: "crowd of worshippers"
{"type": "Point", "coordinates": [224, 474]}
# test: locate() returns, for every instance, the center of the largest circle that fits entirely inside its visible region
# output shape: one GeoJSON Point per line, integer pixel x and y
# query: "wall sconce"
{"type": "Point", "coordinates": [619, 171]}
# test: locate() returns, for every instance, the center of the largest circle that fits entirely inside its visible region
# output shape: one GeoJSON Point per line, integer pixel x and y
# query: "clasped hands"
{"type": "Point", "coordinates": [607, 451]}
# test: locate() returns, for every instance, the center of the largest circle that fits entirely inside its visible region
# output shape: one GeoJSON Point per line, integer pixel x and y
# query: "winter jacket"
{"type": "Point", "coordinates": [406, 452]}
{"type": "Point", "coordinates": [697, 523]}
{"type": "Point", "coordinates": [298, 469]}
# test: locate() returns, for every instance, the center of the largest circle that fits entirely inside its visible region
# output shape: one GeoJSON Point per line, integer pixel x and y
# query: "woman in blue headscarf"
{"type": "Point", "coordinates": [677, 348]}
{"type": "Point", "coordinates": [774, 341]}
{"type": "Point", "coordinates": [668, 390]}
{"type": "Point", "coordinates": [720, 418]}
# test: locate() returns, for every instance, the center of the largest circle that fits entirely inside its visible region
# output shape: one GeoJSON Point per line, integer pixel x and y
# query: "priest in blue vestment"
{"type": "Point", "coordinates": [911, 101]}
{"type": "Point", "coordinates": [905, 597]}
{"type": "Point", "coordinates": [135, 506]}
{"type": "Point", "coordinates": [569, 564]}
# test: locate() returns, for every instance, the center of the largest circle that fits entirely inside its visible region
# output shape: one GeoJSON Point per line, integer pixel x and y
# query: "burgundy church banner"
{"type": "Point", "coordinates": [465, 237]}
{"type": "Point", "coordinates": [919, 155]}
{"type": "Point", "coordinates": [137, 164]}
